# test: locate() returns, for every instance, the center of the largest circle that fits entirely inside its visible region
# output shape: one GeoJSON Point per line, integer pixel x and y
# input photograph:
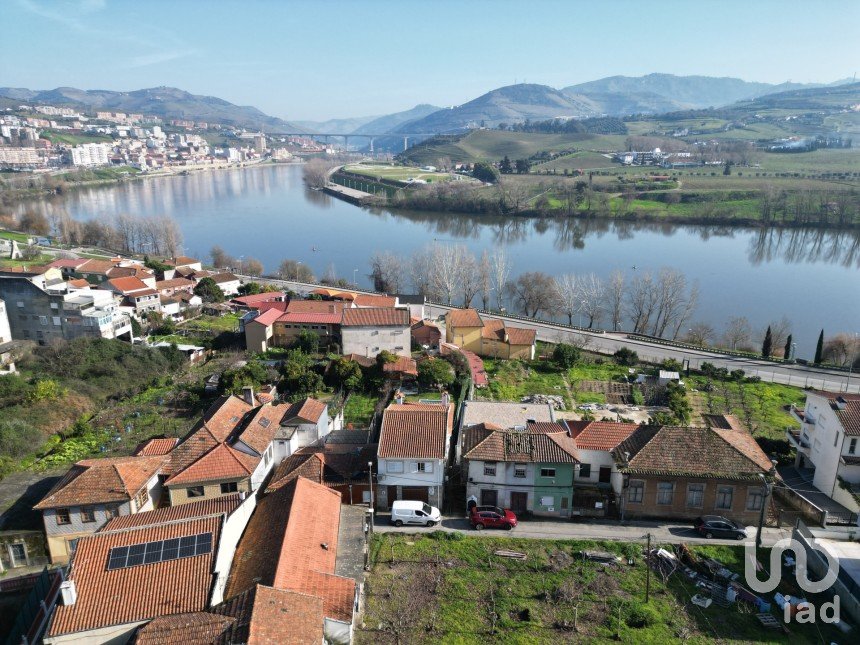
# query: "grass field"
{"type": "Point", "coordinates": [431, 588]}
{"type": "Point", "coordinates": [400, 173]}
{"type": "Point", "coordinates": [358, 410]}
{"type": "Point", "coordinates": [18, 237]}
{"type": "Point", "coordinates": [39, 260]}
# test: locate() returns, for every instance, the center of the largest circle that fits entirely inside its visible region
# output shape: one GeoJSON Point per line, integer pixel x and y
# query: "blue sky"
{"type": "Point", "coordinates": [322, 59]}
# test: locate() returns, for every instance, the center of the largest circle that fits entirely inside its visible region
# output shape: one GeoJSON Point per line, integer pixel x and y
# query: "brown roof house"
{"type": "Point", "coordinates": [162, 564]}
{"type": "Point", "coordinates": [413, 448]}
{"type": "Point", "coordinates": [93, 492]}
{"type": "Point", "coordinates": [368, 331]}
{"type": "Point", "coordinates": [291, 543]}
{"type": "Point", "coordinates": [679, 472]}
{"type": "Point", "coordinates": [490, 338]}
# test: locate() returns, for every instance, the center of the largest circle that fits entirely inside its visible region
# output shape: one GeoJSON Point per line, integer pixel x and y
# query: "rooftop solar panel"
{"type": "Point", "coordinates": [122, 557]}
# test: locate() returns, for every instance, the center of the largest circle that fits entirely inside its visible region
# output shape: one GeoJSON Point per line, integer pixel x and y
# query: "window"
{"type": "Point", "coordinates": [490, 468]}
{"type": "Point", "coordinates": [755, 499]}
{"type": "Point", "coordinates": [63, 516]}
{"type": "Point", "coordinates": [18, 554]}
{"type": "Point", "coordinates": [141, 498]}
{"type": "Point", "coordinates": [636, 491]}
{"type": "Point", "coordinates": [852, 446]}
{"type": "Point", "coordinates": [229, 487]}
{"type": "Point", "coordinates": [55, 320]}
{"type": "Point", "coordinates": [547, 501]}
{"type": "Point", "coordinates": [547, 472]}
{"type": "Point", "coordinates": [194, 491]}
{"type": "Point", "coordinates": [55, 305]}
{"type": "Point", "coordinates": [724, 496]}
{"type": "Point", "coordinates": [695, 495]}
{"type": "Point", "coordinates": [425, 466]}
{"type": "Point", "coordinates": [585, 471]}
{"type": "Point", "coordinates": [520, 471]}
{"type": "Point", "coordinates": [43, 320]}
{"type": "Point", "coordinates": [87, 515]}
{"type": "Point", "coordinates": [664, 492]}
{"type": "Point", "coordinates": [394, 467]}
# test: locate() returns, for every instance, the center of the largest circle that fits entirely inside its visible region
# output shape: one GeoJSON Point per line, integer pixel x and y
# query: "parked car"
{"type": "Point", "coordinates": [482, 517]}
{"type": "Point", "coordinates": [413, 512]}
{"type": "Point", "coordinates": [711, 526]}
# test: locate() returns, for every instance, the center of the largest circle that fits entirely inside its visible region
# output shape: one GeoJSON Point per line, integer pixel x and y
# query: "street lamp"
{"type": "Point", "coordinates": [298, 264]}
{"type": "Point", "coordinates": [354, 277]}
{"type": "Point", "coordinates": [767, 489]}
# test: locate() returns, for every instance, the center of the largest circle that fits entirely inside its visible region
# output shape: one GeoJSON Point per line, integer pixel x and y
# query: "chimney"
{"type": "Point", "coordinates": [248, 394]}
{"type": "Point", "coordinates": [68, 592]}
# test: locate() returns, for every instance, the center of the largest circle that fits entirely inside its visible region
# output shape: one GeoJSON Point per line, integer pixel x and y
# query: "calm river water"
{"type": "Point", "coordinates": [810, 275]}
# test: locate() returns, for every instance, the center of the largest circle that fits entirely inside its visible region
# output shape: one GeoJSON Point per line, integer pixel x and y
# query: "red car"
{"type": "Point", "coordinates": [494, 518]}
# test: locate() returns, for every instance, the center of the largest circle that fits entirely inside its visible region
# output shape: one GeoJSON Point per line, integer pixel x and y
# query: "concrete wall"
{"type": "Point", "coordinates": [369, 341]}
{"type": "Point", "coordinates": [113, 635]}
{"type": "Point", "coordinates": [179, 494]}
{"type": "Point", "coordinates": [826, 441]}
{"type": "Point", "coordinates": [257, 337]}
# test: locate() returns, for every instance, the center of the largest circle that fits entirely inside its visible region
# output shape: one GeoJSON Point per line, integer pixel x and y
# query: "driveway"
{"type": "Point", "coordinates": [661, 532]}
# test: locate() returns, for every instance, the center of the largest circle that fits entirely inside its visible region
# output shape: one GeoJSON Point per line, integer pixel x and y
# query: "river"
{"type": "Point", "coordinates": [809, 275]}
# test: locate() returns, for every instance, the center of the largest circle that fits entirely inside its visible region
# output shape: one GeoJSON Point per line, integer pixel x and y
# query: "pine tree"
{"type": "Point", "coordinates": [767, 345]}
{"type": "Point", "coordinates": [819, 348]}
{"type": "Point", "coordinates": [786, 354]}
{"type": "Point", "coordinates": [505, 166]}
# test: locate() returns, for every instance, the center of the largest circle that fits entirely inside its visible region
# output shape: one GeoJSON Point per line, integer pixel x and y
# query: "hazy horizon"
{"type": "Point", "coordinates": [308, 61]}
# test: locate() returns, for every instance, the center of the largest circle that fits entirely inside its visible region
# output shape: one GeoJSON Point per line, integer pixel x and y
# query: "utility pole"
{"type": "Point", "coordinates": [647, 570]}
{"type": "Point", "coordinates": [370, 482]}
{"type": "Point", "coordinates": [768, 488]}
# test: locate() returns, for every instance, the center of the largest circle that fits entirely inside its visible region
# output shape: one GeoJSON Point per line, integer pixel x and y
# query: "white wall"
{"type": "Point", "coordinates": [369, 341]}
{"type": "Point", "coordinates": [231, 531]}
{"type": "Point", "coordinates": [410, 475]}
{"type": "Point", "coordinates": [827, 432]}
{"type": "Point", "coordinates": [113, 635]}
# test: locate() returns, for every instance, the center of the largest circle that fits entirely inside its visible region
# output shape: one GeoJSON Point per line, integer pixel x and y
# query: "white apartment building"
{"type": "Point", "coordinates": [90, 154]}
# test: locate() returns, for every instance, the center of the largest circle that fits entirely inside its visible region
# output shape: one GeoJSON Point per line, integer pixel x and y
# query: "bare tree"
{"type": "Point", "coordinates": [485, 279]}
{"type": "Point", "coordinates": [253, 266]}
{"type": "Point", "coordinates": [295, 270]}
{"type": "Point", "coordinates": [512, 194]}
{"type": "Point", "coordinates": [615, 298]}
{"type": "Point", "coordinates": [316, 172]}
{"type": "Point", "coordinates": [533, 292]}
{"type": "Point", "coordinates": [421, 273]}
{"type": "Point", "coordinates": [842, 350]}
{"type": "Point", "coordinates": [500, 270]}
{"type": "Point", "coordinates": [567, 295]}
{"type": "Point", "coordinates": [779, 330]}
{"type": "Point", "coordinates": [220, 257]}
{"type": "Point", "coordinates": [388, 271]}
{"type": "Point", "coordinates": [592, 293]}
{"type": "Point", "coordinates": [642, 299]}
{"type": "Point", "coordinates": [738, 332]}
{"type": "Point", "coordinates": [701, 334]}
{"type": "Point", "coordinates": [470, 279]}
{"type": "Point", "coordinates": [446, 271]}
{"type": "Point", "coordinates": [330, 276]}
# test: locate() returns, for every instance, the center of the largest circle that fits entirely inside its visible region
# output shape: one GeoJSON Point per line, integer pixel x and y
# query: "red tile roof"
{"type": "Point", "coordinates": [129, 285]}
{"type": "Point", "coordinates": [308, 409]}
{"type": "Point", "coordinates": [182, 260]}
{"type": "Point", "coordinates": [403, 365]}
{"type": "Point", "coordinates": [518, 446]}
{"type": "Point", "coordinates": [314, 307]}
{"type": "Point", "coordinates": [97, 266]}
{"type": "Point", "coordinates": [602, 435]}
{"type": "Point", "coordinates": [291, 543]}
{"type": "Point", "coordinates": [137, 593]}
{"type": "Point", "coordinates": [174, 283]}
{"type": "Point", "coordinates": [223, 416]}
{"type": "Point", "coordinates": [520, 336]}
{"type": "Point", "coordinates": [195, 628]}
{"type": "Point", "coordinates": [257, 298]}
{"type": "Point", "coordinates": [156, 447]}
{"type": "Point", "coordinates": [847, 409]}
{"type": "Point", "coordinates": [192, 447]}
{"type": "Point", "coordinates": [301, 317]}
{"type": "Point", "coordinates": [366, 300]}
{"type": "Point", "coordinates": [223, 505]}
{"type": "Point", "coordinates": [220, 463]}
{"type": "Point", "coordinates": [371, 317]}
{"type": "Point", "coordinates": [364, 361]}
{"type": "Point", "coordinates": [415, 430]}
{"type": "Point", "coordinates": [309, 464]}
{"type": "Point", "coordinates": [267, 318]}
{"type": "Point", "coordinates": [68, 263]}
{"type": "Point", "coordinates": [463, 318]}
{"type": "Point", "coordinates": [260, 428]}
{"type": "Point", "coordinates": [93, 481]}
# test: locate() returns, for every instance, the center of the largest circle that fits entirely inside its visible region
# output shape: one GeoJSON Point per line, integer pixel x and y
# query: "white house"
{"type": "Point", "coordinates": [368, 331]}
{"type": "Point", "coordinates": [413, 448]}
{"type": "Point", "coordinates": [829, 442]}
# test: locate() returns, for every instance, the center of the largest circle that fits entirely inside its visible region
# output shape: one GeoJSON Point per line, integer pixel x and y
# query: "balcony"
{"type": "Point", "coordinates": [796, 439]}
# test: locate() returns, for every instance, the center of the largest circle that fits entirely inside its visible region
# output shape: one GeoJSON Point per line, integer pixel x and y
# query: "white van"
{"type": "Point", "coordinates": [409, 512]}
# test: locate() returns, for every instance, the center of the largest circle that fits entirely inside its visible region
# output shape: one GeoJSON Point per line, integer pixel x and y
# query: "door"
{"type": "Point", "coordinates": [416, 494]}
{"type": "Point", "coordinates": [519, 502]}
{"type": "Point", "coordinates": [489, 498]}
{"type": "Point", "coordinates": [605, 474]}
{"type": "Point", "coordinates": [18, 555]}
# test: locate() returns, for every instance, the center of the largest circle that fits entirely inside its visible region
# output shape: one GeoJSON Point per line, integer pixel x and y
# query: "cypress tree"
{"type": "Point", "coordinates": [819, 348]}
{"type": "Point", "coordinates": [787, 351]}
{"type": "Point", "coordinates": [767, 345]}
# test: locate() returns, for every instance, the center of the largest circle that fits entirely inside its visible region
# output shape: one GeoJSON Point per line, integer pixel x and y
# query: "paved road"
{"type": "Point", "coordinates": [661, 533]}
{"type": "Point", "coordinates": [609, 343]}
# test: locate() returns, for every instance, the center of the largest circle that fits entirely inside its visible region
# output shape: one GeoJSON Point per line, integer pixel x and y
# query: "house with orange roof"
{"type": "Point", "coordinates": [137, 296]}
{"type": "Point", "coordinates": [291, 543]}
{"type": "Point", "coordinates": [491, 338]}
{"type": "Point", "coordinates": [413, 449]}
{"type": "Point", "coordinates": [93, 492]}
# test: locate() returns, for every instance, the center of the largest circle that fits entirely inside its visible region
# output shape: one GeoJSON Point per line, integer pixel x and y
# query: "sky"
{"type": "Point", "coordinates": [315, 60]}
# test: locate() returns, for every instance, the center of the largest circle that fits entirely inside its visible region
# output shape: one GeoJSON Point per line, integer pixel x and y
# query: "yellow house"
{"type": "Point", "coordinates": [221, 471]}
{"type": "Point", "coordinates": [491, 338]}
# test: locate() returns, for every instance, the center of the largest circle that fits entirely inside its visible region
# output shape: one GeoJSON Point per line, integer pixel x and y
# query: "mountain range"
{"type": "Point", "coordinates": [612, 96]}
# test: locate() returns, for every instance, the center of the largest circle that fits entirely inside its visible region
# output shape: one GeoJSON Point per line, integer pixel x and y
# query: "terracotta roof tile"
{"type": "Point", "coordinates": [260, 427]}
{"type": "Point", "coordinates": [136, 593]}
{"type": "Point", "coordinates": [156, 447]}
{"type": "Point", "coordinates": [128, 285]}
{"type": "Point", "coordinates": [403, 365]}
{"type": "Point", "coordinates": [182, 260]}
{"type": "Point", "coordinates": [308, 409]}
{"type": "Point", "coordinates": [314, 307]}
{"type": "Point", "coordinates": [195, 628]}
{"type": "Point", "coordinates": [376, 317]}
{"type": "Point", "coordinates": [224, 416]}
{"type": "Point", "coordinates": [364, 361]}
{"type": "Point", "coordinates": [525, 447]}
{"type": "Point", "coordinates": [601, 435]}
{"type": "Point", "coordinates": [847, 409]}
{"type": "Point", "coordinates": [94, 481]}
{"type": "Point", "coordinates": [225, 504]}
{"type": "Point", "coordinates": [257, 298]}
{"type": "Point", "coordinates": [267, 318]}
{"type": "Point", "coordinates": [222, 462]}
{"type": "Point", "coordinates": [415, 430]}
{"type": "Point", "coordinates": [97, 266]}
{"type": "Point", "coordinates": [302, 317]}
{"type": "Point", "coordinates": [521, 336]}
{"type": "Point", "coordinates": [366, 300]}
{"type": "Point", "coordinates": [291, 543]}
{"type": "Point", "coordinates": [174, 283]}
{"type": "Point", "coordinates": [308, 464]}
{"type": "Point", "coordinates": [463, 318]}
{"type": "Point", "coordinates": [697, 452]}
{"type": "Point", "coordinates": [194, 446]}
